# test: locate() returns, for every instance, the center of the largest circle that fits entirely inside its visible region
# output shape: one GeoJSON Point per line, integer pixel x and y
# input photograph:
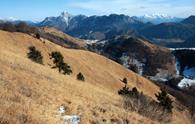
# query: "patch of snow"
{"type": "Point", "coordinates": [90, 41]}
{"type": "Point", "coordinates": [158, 18]}
{"type": "Point", "coordinates": [139, 66]}
{"type": "Point", "coordinates": [157, 15]}
{"type": "Point", "coordinates": [177, 66]}
{"type": "Point", "coordinates": [162, 76]}
{"type": "Point", "coordinates": [66, 17]}
{"type": "Point", "coordinates": [102, 42]}
{"type": "Point", "coordinates": [186, 82]}
{"type": "Point", "coordinates": [188, 73]}
{"type": "Point", "coordinates": [127, 61]}
{"type": "Point", "coordinates": [173, 49]}
{"type": "Point", "coordinates": [71, 119]}
{"type": "Point", "coordinates": [156, 78]}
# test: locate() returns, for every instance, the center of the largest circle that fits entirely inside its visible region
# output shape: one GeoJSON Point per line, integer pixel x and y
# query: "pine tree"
{"type": "Point", "coordinates": [124, 91]}
{"type": "Point", "coordinates": [66, 69]}
{"type": "Point", "coordinates": [58, 60]}
{"type": "Point", "coordinates": [80, 77]}
{"type": "Point", "coordinates": [35, 55]}
{"type": "Point", "coordinates": [164, 100]}
{"type": "Point", "coordinates": [38, 36]}
{"type": "Point", "coordinates": [134, 92]}
{"type": "Point", "coordinates": [125, 81]}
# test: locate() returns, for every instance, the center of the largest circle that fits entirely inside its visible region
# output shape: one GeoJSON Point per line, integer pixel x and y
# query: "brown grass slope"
{"type": "Point", "coordinates": [31, 93]}
{"type": "Point", "coordinates": [67, 39]}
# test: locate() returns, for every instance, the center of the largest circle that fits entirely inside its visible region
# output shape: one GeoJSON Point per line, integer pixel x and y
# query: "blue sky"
{"type": "Point", "coordinates": [39, 9]}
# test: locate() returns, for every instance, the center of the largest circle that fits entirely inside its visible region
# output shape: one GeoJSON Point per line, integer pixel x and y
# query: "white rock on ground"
{"type": "Point", "coordinates": [68, 119]}
{"type": "Point", "coordinates": [61, 110]}
{"type": "Point", "coordinates": [71, 119]}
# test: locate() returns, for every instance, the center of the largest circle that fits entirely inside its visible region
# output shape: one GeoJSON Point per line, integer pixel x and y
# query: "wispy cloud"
{"type": "Point", "coordinates": [137, 7]}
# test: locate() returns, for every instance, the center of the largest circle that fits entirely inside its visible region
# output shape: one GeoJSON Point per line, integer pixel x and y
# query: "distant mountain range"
{"type": "Point", "coordinates": [103, 27]}
{"type": "Point", "coordinates": [160, 29]}
{"type": "Point", "coordinates": [16, 21]}
{"type": "Point", "coordinates": [61, 22]}
{"type": "Point", "coordinates": [93, 27]}
{"type": "Point", "coordinates": [172, 34]}
{"type": "Point", "coordinates": [157, 18]}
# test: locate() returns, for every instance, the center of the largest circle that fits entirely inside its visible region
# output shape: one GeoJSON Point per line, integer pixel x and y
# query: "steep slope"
{"type": "Point", "coordinates": [63, 38]}
{"type": "Point", "coordinates": [51, 34]}
{"type": "Point", "coordinates": [32, 93]}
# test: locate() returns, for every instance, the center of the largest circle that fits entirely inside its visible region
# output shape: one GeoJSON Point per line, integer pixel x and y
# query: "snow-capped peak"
{"type": "Point", "coordinates": [157, 16]}
{"type": "Point", "coordinates": [66, 16]}
{"type": "Point", "coordinates": [9, 19]}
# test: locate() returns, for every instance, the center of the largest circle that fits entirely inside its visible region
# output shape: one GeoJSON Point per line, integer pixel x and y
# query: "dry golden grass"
{"type": "Point", "coordinates": [31, 93]}
{"type": "Point", "coordinates": [64, 36]}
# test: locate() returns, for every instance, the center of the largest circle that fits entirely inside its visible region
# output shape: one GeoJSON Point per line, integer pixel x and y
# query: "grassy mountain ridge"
{"type": "Point", "coordinates": [51, 34]}
{"type": "Point", "coordinates": [32, 93]}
